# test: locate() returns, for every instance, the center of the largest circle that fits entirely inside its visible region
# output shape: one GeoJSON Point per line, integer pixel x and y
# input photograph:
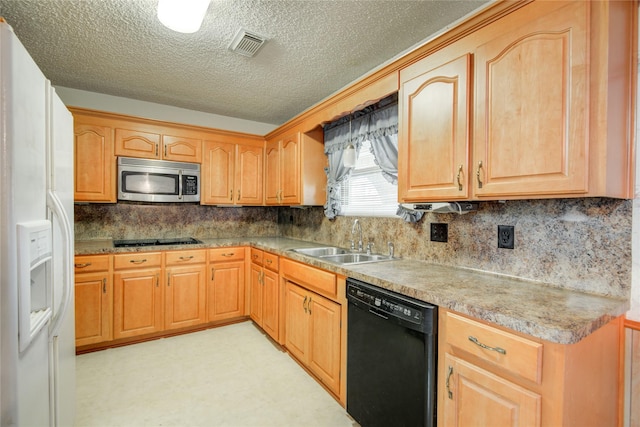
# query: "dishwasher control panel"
{"type": "Point", "coordinates": [386, 303]}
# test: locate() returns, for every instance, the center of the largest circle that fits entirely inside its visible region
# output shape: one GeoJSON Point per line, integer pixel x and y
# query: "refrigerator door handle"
{"type": "Point", "coordinates": [56, 207]}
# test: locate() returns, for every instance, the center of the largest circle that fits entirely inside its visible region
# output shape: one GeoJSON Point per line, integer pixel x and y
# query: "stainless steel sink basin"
{"type": "Point", "coordinates": [340, 256]}
{"type": "Point", "coordinates": [321, 251]}
{"type": "Point", "coordinates": [355, 258]}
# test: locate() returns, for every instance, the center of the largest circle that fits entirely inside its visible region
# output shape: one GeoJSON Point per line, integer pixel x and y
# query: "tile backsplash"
{"type": "Point", "coordinates": [581, 244]}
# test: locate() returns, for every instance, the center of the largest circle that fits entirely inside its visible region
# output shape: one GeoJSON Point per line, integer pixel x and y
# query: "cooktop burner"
{"type": "Point", "coordinates": [155, 242]}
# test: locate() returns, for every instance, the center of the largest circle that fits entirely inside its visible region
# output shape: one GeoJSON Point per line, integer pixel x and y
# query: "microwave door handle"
{"type": "Point", "coordinates": [180, 184]}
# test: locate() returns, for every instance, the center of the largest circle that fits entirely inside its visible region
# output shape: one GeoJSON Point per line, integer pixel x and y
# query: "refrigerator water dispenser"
{"type": "Point", "coordinates": [34, 279]}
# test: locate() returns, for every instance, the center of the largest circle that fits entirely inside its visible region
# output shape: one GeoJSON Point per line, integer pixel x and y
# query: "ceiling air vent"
{"type": "Point", "coordinates": [246, 43]}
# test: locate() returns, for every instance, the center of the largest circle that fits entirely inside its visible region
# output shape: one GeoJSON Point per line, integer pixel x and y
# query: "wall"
{"type": "Point", "coordinates": [132, 107]}
{"type": "Point", "coordinates": [582, 244]}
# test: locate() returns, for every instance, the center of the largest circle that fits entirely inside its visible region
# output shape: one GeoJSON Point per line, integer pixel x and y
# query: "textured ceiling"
{"type": "Point", "coordinates": [315, 48]}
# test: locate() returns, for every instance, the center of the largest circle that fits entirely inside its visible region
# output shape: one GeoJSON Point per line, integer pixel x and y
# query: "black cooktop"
{"type": "Point", "coordinates": [155, 242]}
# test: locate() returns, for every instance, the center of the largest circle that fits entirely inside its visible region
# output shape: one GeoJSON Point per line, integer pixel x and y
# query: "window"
{"type": "Point", "coordinates": [367, 192]}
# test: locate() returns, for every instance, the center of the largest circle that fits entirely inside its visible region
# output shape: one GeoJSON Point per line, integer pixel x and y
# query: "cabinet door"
{"type": "Point", "coordinates": [249, 177]}
{"type": "Point", "coordinates": [324, 340]}
{"type": "Point", "coordinates": [137, 307]}
{"type": "Point", "coordinates": [181, 149]}
{"type": "Point", "coordinates": [93, 307]}
{"type": "Point", "coordinates": [272, 173]}
{"type": "Point", "coordinates": [297, 322]}
{"type": "Point", "coordinates": [225, 292]}
{"type": "Point", "coordinates": [185, 296]}
{"type": "Point", "coordinates": [531, 115]}
{"type": "Point", "coordinates": [477, 397]}
{"type": "Point", "coordinates": [290, 169]}
{"type": "Point", "coordinates": [218, 173]}
{"type": "Point", "coordinates": [95, 164]}
{"type": "Point", "coordinates": [433, 137]}
{"type": "Point", "coordinates": [270, 306]}
{"type": "Point", "coordinates": [135, 143]}
{"type": "Point", "coordinates": [256, 291]}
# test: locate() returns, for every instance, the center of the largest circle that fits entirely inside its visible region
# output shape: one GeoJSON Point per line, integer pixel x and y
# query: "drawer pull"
{"type": "Point", "coordinates": [229, 254]}
{"type": "Point", "coordinates": [86, 264]}
{"type": "Point", "coordinates": [449, 392]}
{"type": "Point", "coordinates": [186, 258]}
{"type": "Point", "coordinates": [268, 261]}
{"type": "Point", "coordinates": [138, 261]}
{"type": "Point", "coordinates": [486, 347]}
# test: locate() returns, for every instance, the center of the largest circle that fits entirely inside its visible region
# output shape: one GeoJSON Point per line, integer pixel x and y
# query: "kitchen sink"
{"type": "Point", "coordinates": [321, 251]}
{"type": "Point", "coordinates": [355, 258]}
{"type": "Point", "coordinates": [341, 256]}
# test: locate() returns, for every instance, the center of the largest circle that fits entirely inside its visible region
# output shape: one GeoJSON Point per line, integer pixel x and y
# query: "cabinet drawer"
{"type": "Point", "coordinates": [270, 261]}
{"type": "Point", "coordinates": [511, 352]}
{"type": "Point", "coordinates": [137, 260]}
{"type": "Point", "coordinates": [91, 263]}
{"type": "Point", "coordinates": [257, 256]}
{"type": "Point", "coordinates": [226, 254]}
{"type": "Point", "coordinates": [186, 257]}
{"type": "Point", "coordinates": [311, 278]}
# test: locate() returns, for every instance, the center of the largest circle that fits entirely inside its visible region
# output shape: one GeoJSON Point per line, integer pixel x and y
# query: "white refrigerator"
{"type": "Point", "coordinates": [37, 332]}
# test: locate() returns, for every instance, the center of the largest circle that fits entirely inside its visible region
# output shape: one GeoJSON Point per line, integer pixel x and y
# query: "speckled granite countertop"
{"type": "Point", "coordinates": [547, 312]}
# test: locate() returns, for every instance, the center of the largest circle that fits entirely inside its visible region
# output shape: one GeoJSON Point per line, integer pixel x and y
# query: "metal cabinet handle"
{"type": "Point", "coordinates": [304, 304]}
{"type": "Point", "coordinates": [459, 174]}
{"type": "Point", "coordinates": [231, 195]}
{"type": "Point", "coordinates": [168, 279]}
{"type": "Point", "coordinates": [238, 195]}
{"type": "Point", "coordinates": [165, 150]}
{"type": "Point", "coordinates": [186, 258]}
{"type": "Point", "coordinates": [309, 305]}
{"type": "Point", "coordinates": [104, 286]}
{"type": "Point", "coordinates": [156, 150]}
{"type": "Point", "coordinates": [230, 254]}
{"type": "Point", "coordinates": [213, 273]}
{"type": "Point", "coordinates": [478, 174]}
{"type": "Point", "coordinates": [138, 261]}
{"type": "Point", "coordinates": [86, 264]}
{"type": "Point", "coordinates": [449, 373]}
{"type": "Point", "coordinates": [268, 261]}
{"type": "Point", "coordinates": [157, 280]}
{"type": "Point", "coordinates": [486, 347]}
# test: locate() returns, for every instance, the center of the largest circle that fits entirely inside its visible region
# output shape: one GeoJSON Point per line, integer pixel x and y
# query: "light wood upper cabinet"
{"type": "Point", "coordinates": [152, 145]}
{"type": "Point", "coordinates": [232, 174]}
{"type": "Point", "coordinates": [531, 100]}
{"type": "Point", "coordinates": [294, 169]}
{"type": "Point", "coordinates": [550, 114]}
{"type": "Point", "coordinates": [94, 162]}
{"type": "Point", "coordinates": [434, 143]}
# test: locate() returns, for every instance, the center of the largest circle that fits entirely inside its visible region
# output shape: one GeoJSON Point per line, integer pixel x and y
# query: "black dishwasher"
{"type": "Point", "coordinates": [391, 358]}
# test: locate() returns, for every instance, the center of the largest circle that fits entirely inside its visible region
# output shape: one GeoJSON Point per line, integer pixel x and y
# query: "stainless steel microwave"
{"type": "Point", "coordinates": [146, 180]}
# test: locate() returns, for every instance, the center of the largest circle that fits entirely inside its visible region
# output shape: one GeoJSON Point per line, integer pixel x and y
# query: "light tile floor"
{"type": "Point", "coordinates": [228, 376]}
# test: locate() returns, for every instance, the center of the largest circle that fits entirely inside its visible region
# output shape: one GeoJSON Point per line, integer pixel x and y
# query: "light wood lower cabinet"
{"type": "Point", "coordinates": [265, 292]}
{"type": "Point", "coordinates": [137, 302]}
{"type": "Point", "coordinates": [312, 325]}
{"type": "Point", "coordinates": [314, 310]}
{"type": "Point", "coordinates": [489, 375]}
{"type": "Point", "coordinates": [93, 299]}
{"type": "Point", "coordinates": [226, 284]}
{"type": "Point", "coordinates": [185, 293]}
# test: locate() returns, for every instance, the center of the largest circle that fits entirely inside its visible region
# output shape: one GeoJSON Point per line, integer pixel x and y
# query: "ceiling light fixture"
{"type": "Point", "coordinates": [183, 16]}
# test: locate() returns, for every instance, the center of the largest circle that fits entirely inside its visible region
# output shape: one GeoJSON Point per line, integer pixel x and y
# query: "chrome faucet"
{"type": "Point", "coordinates": [391, 249]}
{"type": "Point", "coordinates": [356, 225]}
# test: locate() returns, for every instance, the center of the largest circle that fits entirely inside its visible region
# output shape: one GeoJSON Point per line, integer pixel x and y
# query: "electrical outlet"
{"type": "Point", "coordinates": [439, 232]}
{"type": "Point", "coordinates": [506, 237]}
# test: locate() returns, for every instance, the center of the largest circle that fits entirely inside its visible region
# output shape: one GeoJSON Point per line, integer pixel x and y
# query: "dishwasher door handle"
{"type": "Point", "coordinates": [378, 314]}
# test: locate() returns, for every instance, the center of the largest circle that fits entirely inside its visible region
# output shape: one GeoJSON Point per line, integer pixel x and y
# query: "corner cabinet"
{"type": "Point", "coordinates": [314, 309]}
{"type": "Point", "coordinates": [489, 375]}
{"type": "Point", "coordinates": [294, 169]}
{"type": "Point", "coordinates": [233, 173]}
{"type": "Point", "coordinates": [265, 292]}
{"type": "Point", "coordinates": [550, 115]}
